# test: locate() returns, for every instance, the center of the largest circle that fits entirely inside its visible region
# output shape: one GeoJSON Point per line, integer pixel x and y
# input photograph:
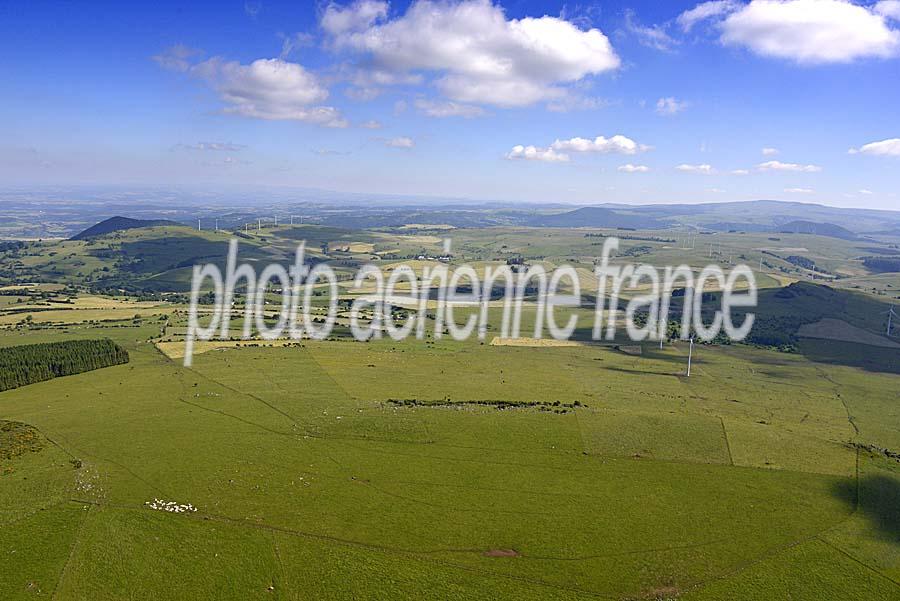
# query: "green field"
{"type": "Point", "coordinates": [436, 469]}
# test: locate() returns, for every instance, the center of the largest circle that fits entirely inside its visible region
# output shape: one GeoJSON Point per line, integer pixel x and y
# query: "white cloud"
{"type": "Point", "coordinates": [371, 124]}
{"type": "Point", "coordinates": [448, 108]}
{"type": "Point", "coordinates": [616, 144]}
{"type": "Point", "coordinates": [533, 153]}
{"type": "Point", "coordinates": [889, 147]}
{"type": "Point", "coordinates": [715, 190]}
{"type": "Point", "coordinates": [768, 152]}
{"type": "Point", "coordinates": [703, 169]}
{"type": "Point", "coordinates": [811, 31]}
{"type": "Point", "coordinates": [799, 190]}
{"type": "Point", "coordinates": [670, 106]}
{"type": "Point", "coordinates": [270, 89]}
{"type": "Point", "coordinates": [652, 36]}
{"type": "Point", "coordinates": [359, 16]}
{"type": "Point", "coordinates": [888, 8]}
{"type": "Point", "coordinates": [703, 11]}
{"type": "Point", "coordinates": [401, 142]}
{"type": "Point", "coordinates": [476, 54]}
{"type": "Point", "coordinates": [866, 191]}
{"type": "Point", "coordinates": [629, 168]}
{"type": "Point", "coordinates": [804, 31]}
{"type": "Point", "coordinates": [740, 172]}
{"type": "Point", "coordinates": [779, 166]}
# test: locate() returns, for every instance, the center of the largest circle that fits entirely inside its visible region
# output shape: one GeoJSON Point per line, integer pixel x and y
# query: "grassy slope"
{"type": "Point", "coordinates": [307, 482]}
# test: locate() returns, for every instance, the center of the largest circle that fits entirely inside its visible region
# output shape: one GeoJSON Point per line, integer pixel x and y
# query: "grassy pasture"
{"type": "Point", "coordinates": [762, 476]}
{"type": "Point", "coordinates": [310, 485]}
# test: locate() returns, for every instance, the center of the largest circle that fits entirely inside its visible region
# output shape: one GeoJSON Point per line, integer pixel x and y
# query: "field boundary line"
{"type": "Point", "coordinates": [784, 548]}
{"type": "Point", "coordinates": [419, 555]}
{"type": "Point", "coordinates": [65, 570]}
{"type": "Point", "coordinates": [727, 444]}
{"type": "Point", "coordinates": [860, 562]}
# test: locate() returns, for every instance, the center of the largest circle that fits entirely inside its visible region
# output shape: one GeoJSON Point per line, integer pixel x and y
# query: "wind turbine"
{"type": "Point", "coordinates": [891, 314]}
{"type": "Point", "coordinates": [690, 356]}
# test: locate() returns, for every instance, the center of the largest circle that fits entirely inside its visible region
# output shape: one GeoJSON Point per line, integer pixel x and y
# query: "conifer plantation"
{"type": "Point", "coordinates": [30, 363]}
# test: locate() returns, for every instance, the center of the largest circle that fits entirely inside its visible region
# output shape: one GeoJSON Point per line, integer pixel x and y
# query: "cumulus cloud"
{"type": "Point", "coordinates": [670, 106]}
{"type": "Point", "coordinates": [629, 168]}
{"type": "Point", "coordinates": [401, 142]}
{"type": "Point", "coordinates": [779, 166]}
{"type": "Point", "coordinates": [866, 191]}
{"type": "Point", "coordinates": [799, 190]}
{"type": "Point", "coordinates": [703, 169]}
{"type": "Point", "coordinates": [475, 54]}
{"type": "Point", "coordinates": [768, 152]}
{"type": "Point", "coordinates": [271, 89]}
{"type": "Point", "coordinates": [362, 14]}
{"type": "Point", "coordinates": [803, 31]}
{"type": "Point", "coordinates": [371, 124]}
{"type": "Point", "coordinates": [448, 108]}
{"type": "Point", "coordinates": [618, 144]}
{"type": "Point", "coordinates": [888, 8]}
{"type": "Point", "coordinates": [740, 172]}
{"type": "Point", "coordinates": [889, 147]}
{"type": "Point", "coordinates": [533, 153]}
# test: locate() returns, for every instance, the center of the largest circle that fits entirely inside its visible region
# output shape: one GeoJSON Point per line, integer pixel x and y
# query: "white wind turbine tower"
{"type": "Point", "coordinates": [690, 356]}
{"type": "Point", "coordinates": [891, 314]}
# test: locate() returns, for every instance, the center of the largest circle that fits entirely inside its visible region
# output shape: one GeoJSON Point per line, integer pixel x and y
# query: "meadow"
{"type": "Point", "coordinates": [437, 469]}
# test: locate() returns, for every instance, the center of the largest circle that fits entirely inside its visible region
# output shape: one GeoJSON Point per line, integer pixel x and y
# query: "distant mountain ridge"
{"type": "Point", "coordinates": [819, 229]}
{"type": "Point", "coordinates": [595, 217]}
{"type": "Point", "coordinates": [118, 224]}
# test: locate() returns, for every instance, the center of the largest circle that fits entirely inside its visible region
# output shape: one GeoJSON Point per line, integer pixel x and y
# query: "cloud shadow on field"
{"type": "Point", "coordinates": [879, 503]}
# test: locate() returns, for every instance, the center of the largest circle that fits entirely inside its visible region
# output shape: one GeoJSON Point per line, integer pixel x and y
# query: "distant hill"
{"type": "Point", "coordinates": [819, 229]}
{"type": "Point", "coordinates": [117, 224]}
{"type": "Point", "coordinates": [595, 217]}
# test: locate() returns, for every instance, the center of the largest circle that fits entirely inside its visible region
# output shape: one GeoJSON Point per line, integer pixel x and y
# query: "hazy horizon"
{"type": "Point", "coordinates": [525, 101]}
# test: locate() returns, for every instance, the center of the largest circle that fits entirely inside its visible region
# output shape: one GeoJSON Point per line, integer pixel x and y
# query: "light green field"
{"type": "Point", "coordinates": [735, 483]}
{"type": "Point", "coordinates": [400, 470]}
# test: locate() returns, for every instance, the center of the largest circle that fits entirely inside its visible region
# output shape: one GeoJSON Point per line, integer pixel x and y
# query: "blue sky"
{"type": "Point", "coordinates": [514, 100]}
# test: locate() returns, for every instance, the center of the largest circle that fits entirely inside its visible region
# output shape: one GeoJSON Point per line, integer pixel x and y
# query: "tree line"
{"type": "Point", "coordinates": [30, 363]}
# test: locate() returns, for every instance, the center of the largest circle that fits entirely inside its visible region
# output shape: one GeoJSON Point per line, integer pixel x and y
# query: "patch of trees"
{"type": "Point", "coordinates": [30, 363]}
{"type": "Point", "coordinates": [552, 406]}
{"type": "Point", "coordinates": [11, 246]}
{"type": "Point", "coordinates": [636, 251]}
{"type": "Point", "coordinates": [777, 332]}
{"type": "Point", "coordinates": [804, 262]}
{"type": "Point", "coordinates": [628, 237]}
{"type": "Point", "coordinates": [882, 264]}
